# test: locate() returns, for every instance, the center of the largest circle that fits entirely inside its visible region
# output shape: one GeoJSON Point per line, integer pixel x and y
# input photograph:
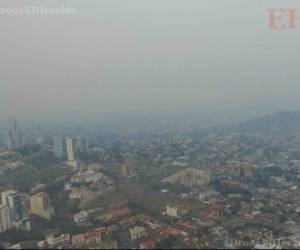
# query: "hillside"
{"type": "Point", "coordinates": [279, 120]}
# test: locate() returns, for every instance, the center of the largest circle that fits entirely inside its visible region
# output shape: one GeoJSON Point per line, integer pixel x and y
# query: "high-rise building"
{"type": "Point", "coordinates": [59, 147]}
{"type": "Point", "coordinates": [5, 222]}
{"type": "Point", "coordinates": [128, 169]}
{"type": "Point", "coordinates": [71, 149]}
{"type": "Point", "coordinates": [82, 143]}
{"type": "Point", "coordinates": [40, 205]}
{"type": "Point", "coordinates": [67, 148]}
{"type": "Point", "coordinates": [14, 136]}
{"type": "Point", "coordinates": [15, 201]}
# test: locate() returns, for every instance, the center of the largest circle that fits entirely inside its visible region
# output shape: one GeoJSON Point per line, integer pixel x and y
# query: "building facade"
{"type": "Point", "coordinates": [67, 148]}
{"type": "Point", "coordinates": [5, 222]}
{"type": "Point", "coordinates": [82, 144]}
{"type": "Point", "coordinates": [40, 205]}
{"type": "Point", "coordinates": [81, 217]}
{"type": "Point", "coordinates": [128, 170]}
{"type": "Point", "coordinates": [173, 211]}
{"type": "Point", "coordinates": [137, 233]}
{"type": "Point", "coordinates": [59, 149]}
{"type": "Point", "coordinates": [71, 149]}
{"type": "Point", "coordinates": [194, 177]}
{"type": "Point", "coordinates": [16, 203]}
{"type": "Point", "coordinates": [14, 136]}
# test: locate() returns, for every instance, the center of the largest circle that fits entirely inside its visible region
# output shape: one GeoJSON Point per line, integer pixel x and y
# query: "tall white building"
{"type": "Point", "coordinates": [5, 222]}
{"type": "Point", "coordinates": [71, 149]}
{"type": "Point", "coordinates": [14, 200]}
{"type": "Point", "coordinates": [67, 148]}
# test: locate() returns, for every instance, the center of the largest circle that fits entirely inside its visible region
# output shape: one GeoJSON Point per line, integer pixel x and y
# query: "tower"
{"type": "Point", "coordinates": [5, 222]}
{"type": "Point", "coordinates": [15, 201]}
{"type": "Point", "coordinates": [14, 140]}
{"type": "Point", "coordinates": [82, 144]}
{"type": "Point", "coordinates": [59, 148]}
{"type": "Point", "coordinates": [71, 149]}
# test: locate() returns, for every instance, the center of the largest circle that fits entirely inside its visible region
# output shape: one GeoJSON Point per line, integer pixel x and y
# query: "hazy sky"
{"type": "Point", "coordinates": [131, 58]}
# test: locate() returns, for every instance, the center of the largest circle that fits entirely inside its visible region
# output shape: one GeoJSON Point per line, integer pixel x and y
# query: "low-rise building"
{"type": "Point", "coordinates": [78, 193]}
{"type": "Point", "coordinates": [81, 217]}
{"type": "Point", "coordinates": [92, 238]}
{"type": "Point", "coordinates": [189, 177]}
{"type": "Point", "coordinates": [137, 233]}
{"type": "Point", "coordinates": [89, 176]}
{"type": "Point", "coordinates": [207, 195]}
{"type": "Point", "coordinates": [194, 177]}
{"type": "Point", "coordinates": [175, 211]}
{"type": "Point", "coordinates": [58, 240]}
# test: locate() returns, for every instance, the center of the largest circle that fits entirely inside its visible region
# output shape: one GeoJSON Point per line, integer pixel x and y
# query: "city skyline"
{"type": "Point", "coordinates": [149, 124]}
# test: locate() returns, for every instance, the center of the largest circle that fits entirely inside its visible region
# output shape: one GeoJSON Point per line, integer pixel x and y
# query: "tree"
{"type": "Point", "coordinates": [167, 243]}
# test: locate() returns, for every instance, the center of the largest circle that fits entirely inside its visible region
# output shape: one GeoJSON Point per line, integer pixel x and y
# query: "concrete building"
{"type": "Point", "coordinates": [16, 203]}
{"type": "Point", "coordinates": [203, 195]}
{"type": "Point", "coordinates": [14, 136]}
{"type": "Point", "coordinates": [91, 239]}
{"type": "Point", "coordinates": [189, 177]}
{"type": "Point", "coordinates": [78, 193]}
{"type": "Point", "coordinates": [59, 147]}
{"type": "Point", "coordinates": [137, 233]}
{"type": "Point", "coordinates": [40, 205]}
{"type": "Point", "coordinates": [55, 240]}
{"type": "Point", "coordinates": [81, 217]}
{"type": "Point", "coordinates": [82, 143]}
{"type": "Point", "coordinates": [71, 149]}
{"type": "Point", "coordinates": [128, 169]}
{"type": "Point", "coordinates": [67, 148]}
{"type": "Point", "coordinates": [174, 211]}
{"type": "Point", "coordinates": [5, 222]}
{"type": "Point", "coordinates": [88, 176]}
{"type": "Point", "coordinates": [194, 177]}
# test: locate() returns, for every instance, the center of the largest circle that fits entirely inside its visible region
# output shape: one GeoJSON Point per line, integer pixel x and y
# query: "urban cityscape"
{"type": "Point", "coordinates": [149, 124]}
{"type": "Point", "coordinates": [203, 187]}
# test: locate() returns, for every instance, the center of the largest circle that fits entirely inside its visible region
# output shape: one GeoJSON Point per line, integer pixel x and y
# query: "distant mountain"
{"type": "Point", "coordinates": [280, 120]}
